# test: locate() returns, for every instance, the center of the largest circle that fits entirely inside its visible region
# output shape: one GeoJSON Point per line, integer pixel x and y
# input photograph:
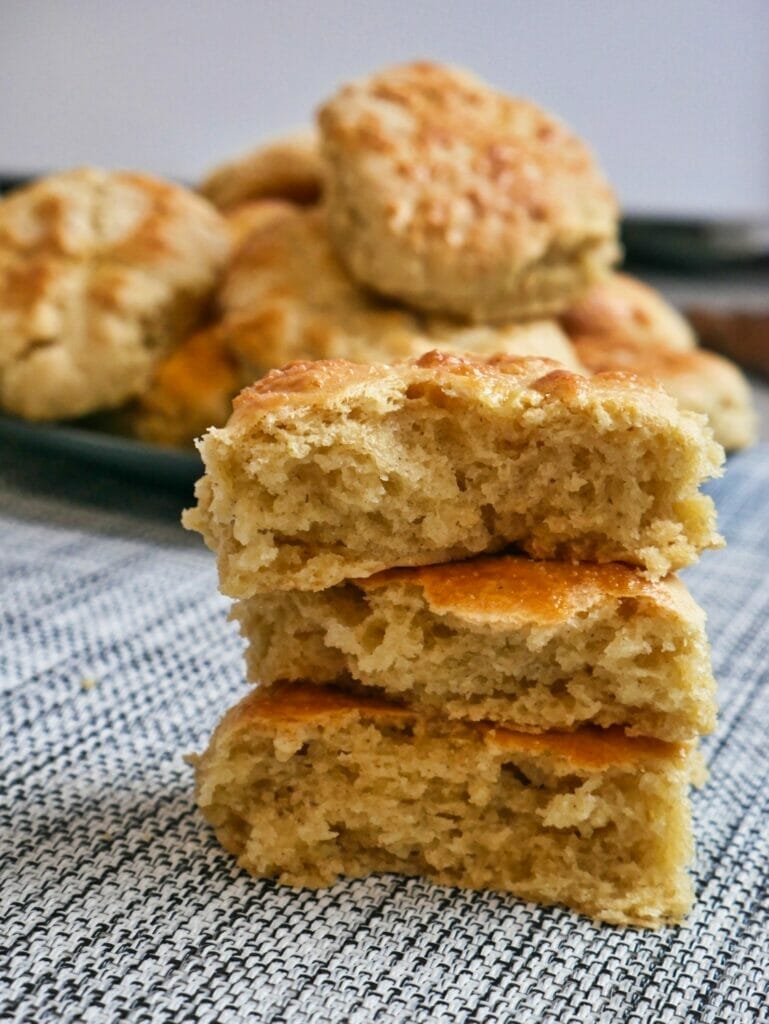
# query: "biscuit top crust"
{"type": "Point", "coordinates": [511, 587]}
{"type": "Point", "coordinates": [299, 703]}
{"type": "Point", "coordinates": [289, 168]}
{"type": "Point", "coordinates": [288, 258]}
{"type": "Point", "coordinates": [125, 217]}
{"type": "Point", "coordinates": [464, 164]}
{"type": "Point", "coordinates": [625, 310]}
{"type": "Point", "coordinates": [101, 273]}
{"type": "Point", "coordinates": [492, 379]}
{"type": "Point", "coordinates": [250, 217]}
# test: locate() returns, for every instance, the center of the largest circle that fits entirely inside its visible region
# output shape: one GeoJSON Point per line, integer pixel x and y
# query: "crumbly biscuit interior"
{"type": "Point", "coordinates": [309, 802]}
{"type": "Point", "coordinates": [310, 497]}
{"type": "Point", "coordinates": [618, 663]}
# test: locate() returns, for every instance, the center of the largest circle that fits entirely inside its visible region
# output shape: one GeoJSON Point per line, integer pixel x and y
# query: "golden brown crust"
{"type": "Point", "coordinates": [288, 168]}
{"type": "Point", "coordinates": [247, 218]}
{"type": "Point", "coordinates": [454, 197]}
{"type": "Point", "coordinates": [283, 704]}
{"type": "Point", "coordinates": [286, 296]}
{"type": "Point", "coordinates": [190, 391]}
{"type": "Point", "coordinates": [307, 383]}
{"type": "Point", "coordinates": [626, 310]}
{"type": "Point", "coordinates": [510, 587]}
{"type": "Point", "coordinates": [100, 274]}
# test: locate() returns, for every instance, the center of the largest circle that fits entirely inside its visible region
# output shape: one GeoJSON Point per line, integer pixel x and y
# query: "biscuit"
{"type": "Point", "coordinates": [305, 784]}
{"type": "Point", "coordinates": [332, 470]}
{"type": "Point", "coordinates": [454, 198]}
{"type": "Point", "coordinates": [245, 219]}
{"type": "Point", "coordinates": [100, 275]}
{"type": "Point", "coordinates": [543, 338]}
{"type": "Point", "coordinates": [287, 168]}
{"type": "Point", "coordinates": [286, 296]}
{"type": "Point", "coordinates": [627, 310]}
{"type": "Point", "coordinates": [700, 381]}
{"type": "Point", "coordinates": [191, 390]}
{"type": "Point", "coordinates": [536, 645]}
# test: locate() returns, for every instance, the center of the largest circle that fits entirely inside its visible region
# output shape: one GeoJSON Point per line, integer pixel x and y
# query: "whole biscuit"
{"type": "Point", "coordinates": [453, 197]}
{"type": "Point", "coordinates": [101, 274]}
{"type": "Point", "coordinates": [625, 308]}
{"type": "Point", "coordinates": [700, 381]}
{"type": "Point", "coordinates": [287, 168]}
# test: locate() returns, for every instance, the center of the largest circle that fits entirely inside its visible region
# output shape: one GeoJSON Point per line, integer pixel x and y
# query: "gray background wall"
{"type": "Point", "coordinates": [674, 95]}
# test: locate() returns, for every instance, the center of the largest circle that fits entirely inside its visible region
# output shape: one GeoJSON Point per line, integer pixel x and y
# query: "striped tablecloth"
{"type": "Point", "coordinates": [117, 905]}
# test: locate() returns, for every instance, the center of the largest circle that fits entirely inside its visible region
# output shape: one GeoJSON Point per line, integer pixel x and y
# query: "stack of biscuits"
{"type": "Point", "coordinates": [456, 574]}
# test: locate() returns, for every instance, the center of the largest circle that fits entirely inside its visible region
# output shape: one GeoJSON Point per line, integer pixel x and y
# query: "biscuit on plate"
{"type": "Point", "coordinates": [101, 274]}
{"type": "Point", "coordinates": [626, 309]}
{"type": "Point", "coordinates": [537, 645]}
{"type": "Point", "coordinates": [287, 168]}
{"type": "Point", "coordinates": [304, 784]}
{"type": "Point", "coordinates": [245, 219]}
{"type": "Point", "coordinates": [191, 390]}
{"type": "Point", "coordinates": [458, 199]}
{"type": "Point", "coordinates": [333, 470]}
{"type": "Point", "coordinates": [700, 381]}
{"type": "Point", "coordinates": [286, 296]}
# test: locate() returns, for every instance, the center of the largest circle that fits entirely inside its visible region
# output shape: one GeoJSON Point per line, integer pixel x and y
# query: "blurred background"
{"type": "Point", "coordinates": [673, 94]}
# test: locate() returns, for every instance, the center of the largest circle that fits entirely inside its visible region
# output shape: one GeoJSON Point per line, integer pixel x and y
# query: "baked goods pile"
{"type": "Point", "coordinates": [427, 211]}
{"type": "Point", "coordinates": [455, 573]}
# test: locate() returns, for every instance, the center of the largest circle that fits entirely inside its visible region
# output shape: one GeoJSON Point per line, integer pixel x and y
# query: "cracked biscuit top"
{"type": "Point", "coordinates": [101, 273]}
{"type": "Point", "coordinates": [454, 197]}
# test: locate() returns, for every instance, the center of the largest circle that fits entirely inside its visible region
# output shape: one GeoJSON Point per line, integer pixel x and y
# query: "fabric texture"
{"type": "Point", "coordinates": [116, 658]}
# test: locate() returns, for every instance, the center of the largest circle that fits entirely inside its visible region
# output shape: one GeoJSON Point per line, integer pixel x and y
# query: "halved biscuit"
{"type": "Point", "coordinates": [306, 784]}
{"type": "Point", "coordinates": [333, 470]}
{"type": "Point", "coordinates": [536, 645]}
{"type": "Point", "coordinates": [455, 198]}
{"type": "Point", "coordinates": [288, 168]}
{"type": "Point", "coordinates": [101, 274]}
{"type": "Point", "coordinates": [700, 381]}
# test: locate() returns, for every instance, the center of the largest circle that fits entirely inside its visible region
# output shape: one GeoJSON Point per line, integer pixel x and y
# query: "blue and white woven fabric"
{"type": "Point", "coordinates": [117, 904]}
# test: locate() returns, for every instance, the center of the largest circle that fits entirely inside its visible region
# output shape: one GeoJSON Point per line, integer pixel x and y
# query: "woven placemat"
{"type": "Point", "coordinates": [117, 904]}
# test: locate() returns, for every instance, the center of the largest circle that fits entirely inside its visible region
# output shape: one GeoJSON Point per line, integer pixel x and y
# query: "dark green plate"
{"type": "Point", "coordinates": [121, 454]}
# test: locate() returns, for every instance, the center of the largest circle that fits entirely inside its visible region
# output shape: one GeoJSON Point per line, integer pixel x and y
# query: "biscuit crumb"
{"type": "Point", "coordinates": [88, 683]}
